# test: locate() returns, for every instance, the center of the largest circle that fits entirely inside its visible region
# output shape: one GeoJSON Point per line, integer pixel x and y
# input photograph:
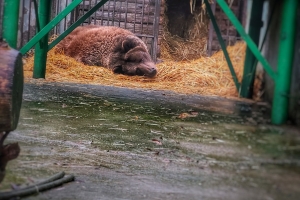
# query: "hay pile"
{"type": "Point", "coordinates": [205, 76]}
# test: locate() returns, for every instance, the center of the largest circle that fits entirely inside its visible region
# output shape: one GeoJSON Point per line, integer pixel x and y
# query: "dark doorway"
{"type": "Point", "coordinates": [180, 17]}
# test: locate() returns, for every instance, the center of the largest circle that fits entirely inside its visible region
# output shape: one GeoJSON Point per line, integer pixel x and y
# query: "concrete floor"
{"type": "Point", "coordinates": [138, 144]}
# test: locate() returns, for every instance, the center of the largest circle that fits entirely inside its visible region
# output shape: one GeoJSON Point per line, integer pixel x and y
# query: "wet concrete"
{"type": "Point", "coordinates": [137, 144]}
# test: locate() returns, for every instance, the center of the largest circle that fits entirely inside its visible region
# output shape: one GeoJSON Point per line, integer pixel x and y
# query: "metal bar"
{"type": "Point", "coordinates": [210, 32]}
{"type": "Point", "coordinates": [148, 18]}
{"type": "Point", "coordinates": [108, 11]}
{"type": "Point", "coordinates": [125, 26]}
{"type": "Point", "coordinates": [102, 15]}
{"type": "Point", "coordinates": [135, 16]}
{"type": "Point", "coordinates": [223, 46]}
{"type": "Point", "coordinates": [250, 60]}
{"type": "Point", "coordinates": [156, 29]}
{"type": "Point", "coordinates": [120, 13]}
{"type": "Point", "coordinates": [22, 22]}
{"type": "Point", "coordinates": [57, 9]}
{"type": "Point", "coordinates": [49, 26]}
{"type": "Point", "coordinates": [113, 15]}
{"type": "Point", "coordinates": [83, 10]}
{"type": "Point", "coordinates": [90, 5]}
{"type": "Point", "coordinates": [247, 39]}
{"type": "Point", "coordinates": [41, 48]}
{"type": "Point", "coordinates": [10, 22]}
{"type": "Point", "coordinates": [95, 14]}
{"type": "Point", "coordinates": [29, 21]}
{"type": "Point", "coordinates": [285, 62]}
{"type": "Point", "coordinates": [66, 18]}
{"type": "Point", "coordinates": [142, 16]}
{"type": "Point", "coordinates": [77, 23]}
{"type": "Point", "coordinates": [37, 21]}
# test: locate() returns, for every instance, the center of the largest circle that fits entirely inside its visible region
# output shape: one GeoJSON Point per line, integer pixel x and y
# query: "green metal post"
{"type": "Point", "coordinates": [285, 62]}
{"type": "Point", "coordinates": [41, 48]}
{"type": "Point", "coordinates": [10, 22]}
{"type": "Point", "coordinates": [250, 60]}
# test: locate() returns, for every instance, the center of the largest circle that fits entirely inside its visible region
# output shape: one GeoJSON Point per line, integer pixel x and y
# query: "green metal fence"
{"type": "Point", "coordinates": [281, 77]}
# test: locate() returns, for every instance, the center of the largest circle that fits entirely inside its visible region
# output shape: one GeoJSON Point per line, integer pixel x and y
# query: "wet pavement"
{"type": "Point", "coordinates": [140, 144]}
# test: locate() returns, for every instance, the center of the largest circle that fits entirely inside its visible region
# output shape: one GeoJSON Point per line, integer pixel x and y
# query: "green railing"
{"type": "Point", "coordinates": [281, 77]}
{"type": "Point", "coordinates": [40, 40]}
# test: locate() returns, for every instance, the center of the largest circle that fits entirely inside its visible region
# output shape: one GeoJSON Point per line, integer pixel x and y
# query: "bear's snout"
{"type": "Point", "coordinates": [147, 69]}
{"type": "Point", "coordinates": [150, 73]}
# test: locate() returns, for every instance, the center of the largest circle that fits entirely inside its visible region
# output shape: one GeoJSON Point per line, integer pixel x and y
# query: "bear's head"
{"type": "Point", "coordinates": [133, 58]}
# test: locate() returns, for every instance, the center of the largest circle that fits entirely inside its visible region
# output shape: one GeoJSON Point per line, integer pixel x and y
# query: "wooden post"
{"type": "Point", "coordinates": [11, 87]}
{"type": "Point", "coordinates": [11, 90]}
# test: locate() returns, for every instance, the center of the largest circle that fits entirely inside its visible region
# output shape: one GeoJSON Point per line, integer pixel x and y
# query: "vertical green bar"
{"type": "Point", "coordinates": [250, 60]}
{"type": "Point", "coordinates": [285, 62]}
{"type": "Point", "coordinates": [10, 22]}
{"type": "Point", "coordinates": [41, 48]}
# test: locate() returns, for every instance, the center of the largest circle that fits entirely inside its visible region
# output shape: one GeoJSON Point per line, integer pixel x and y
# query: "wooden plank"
{"type": "Point", "coordinates": [11, 87]}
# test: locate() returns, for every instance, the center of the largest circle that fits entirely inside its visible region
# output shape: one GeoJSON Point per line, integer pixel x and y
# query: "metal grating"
{"type": "Point", "coordinates": [138, 16]}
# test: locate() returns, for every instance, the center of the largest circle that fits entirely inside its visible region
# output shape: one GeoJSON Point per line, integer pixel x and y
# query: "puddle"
{"type": "Point", "coordinates": [125, 144]}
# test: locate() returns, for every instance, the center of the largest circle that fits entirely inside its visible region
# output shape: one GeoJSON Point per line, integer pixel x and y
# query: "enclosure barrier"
{"type": "Point", "coordinates": [281, 78]}
{"type": "Point", "coordinates": [255, 24]}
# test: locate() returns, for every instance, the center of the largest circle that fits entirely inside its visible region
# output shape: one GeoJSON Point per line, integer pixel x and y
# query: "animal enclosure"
{"type": "Point", "coordinates": [141, 17]}
{"type": "Point", "coordinates": [181, 26]}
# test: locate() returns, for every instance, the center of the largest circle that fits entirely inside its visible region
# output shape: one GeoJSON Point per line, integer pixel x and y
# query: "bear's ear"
{"type": "Point", "coordinates": [128, 44]}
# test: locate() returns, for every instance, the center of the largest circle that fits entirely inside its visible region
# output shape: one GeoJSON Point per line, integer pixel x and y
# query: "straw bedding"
{"type": "Point", "coordinates": [204, 76]}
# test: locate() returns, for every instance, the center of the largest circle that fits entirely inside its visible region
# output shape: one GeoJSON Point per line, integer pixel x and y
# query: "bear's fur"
{"type": "Point", "coordinates": [111, 47]}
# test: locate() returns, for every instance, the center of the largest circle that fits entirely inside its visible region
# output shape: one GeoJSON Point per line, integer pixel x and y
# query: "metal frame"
{"type": "Point", "coordinates": [282, 77]}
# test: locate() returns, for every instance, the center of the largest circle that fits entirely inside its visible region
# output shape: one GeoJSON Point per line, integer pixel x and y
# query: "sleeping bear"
{"type": "Point", "coordinates": [111, 47]}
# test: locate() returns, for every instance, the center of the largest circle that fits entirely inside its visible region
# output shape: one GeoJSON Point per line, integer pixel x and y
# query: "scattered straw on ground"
{"type": "Point", "coordinates": [204, 76]}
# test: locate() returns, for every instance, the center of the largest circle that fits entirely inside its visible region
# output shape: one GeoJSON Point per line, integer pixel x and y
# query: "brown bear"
{"type": "Point", "coordinates": [111, 47]}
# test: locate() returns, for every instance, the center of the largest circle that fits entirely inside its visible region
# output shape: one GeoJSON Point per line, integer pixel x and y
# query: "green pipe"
{"type": "Point", "coordinates": [250, 60]}
{"type": "Point", "coordinates": [251, 45]}
{"type": "Point", "coordinates": [222, 43]}
{"type": "Point", "coordinates": [10, 22]}
{"type": "Point", "coordinates": [285, 62]}
{"type": "Point", "coordinates": [49, 26]}
{"type": "Point", "coordinates": [77, 23]}
{"type": "Point", "coordinates": [41, 48]}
